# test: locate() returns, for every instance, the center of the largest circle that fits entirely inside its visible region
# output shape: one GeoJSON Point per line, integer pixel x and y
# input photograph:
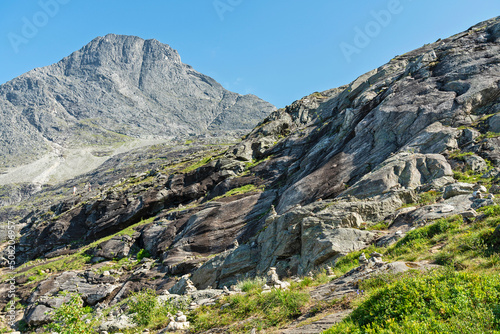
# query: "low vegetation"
{"type": "Point", "coordinates": [241, 313]}
{"type": "Point", "coordinates": [441, 301]}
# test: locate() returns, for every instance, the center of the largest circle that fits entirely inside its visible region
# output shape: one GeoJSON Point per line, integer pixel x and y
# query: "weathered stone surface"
{"type": "Point", "coordinates": [327, 163]}
{"type": "Point", "coordinates": [322, 244]}
{"type": "Point", "coordinates": [117, 247]}
{"type": "Point", "coordinates": [404, 170]}
{"type": "Point", "coordinates": [116, 323]}
{"type": "Point", "coordinates": [459, 188]}
{"type": "Point", "coordinates": [494, 123]}
{"type": "Point", "coordinates": [37, 315]}
{"type": "Point", "coordinates": [476, 163]}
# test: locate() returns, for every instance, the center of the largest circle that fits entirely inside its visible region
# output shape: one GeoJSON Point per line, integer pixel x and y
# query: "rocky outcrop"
{"type": "Point", "coordinates": [402, 171]}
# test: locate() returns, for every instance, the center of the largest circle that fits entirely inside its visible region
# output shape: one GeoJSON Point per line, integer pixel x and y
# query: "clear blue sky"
{"type": "Point", "coordinates": [279, 50]}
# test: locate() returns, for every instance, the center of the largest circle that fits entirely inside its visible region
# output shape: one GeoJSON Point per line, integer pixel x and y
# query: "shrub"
{"type": "Point", "coordinates": [147, 310]}
{"type": "Point", "coordinates": [142, 254]}
{"type": "Point", "coordinates": [72, 318]}
{"type": "Point", "coordinates": [436, 302]}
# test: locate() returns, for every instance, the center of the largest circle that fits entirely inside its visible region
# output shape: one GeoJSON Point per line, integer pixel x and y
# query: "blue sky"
{"type": "Point", "coordinates": [279, 50]}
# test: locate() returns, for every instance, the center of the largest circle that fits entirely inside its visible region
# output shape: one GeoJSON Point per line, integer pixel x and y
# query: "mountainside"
{"type": "Point", "coordinates": [112, 90]}
{"type": "Point", "coordinates": [392, 172]}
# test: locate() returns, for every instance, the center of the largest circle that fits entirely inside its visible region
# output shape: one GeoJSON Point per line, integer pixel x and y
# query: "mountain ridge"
{"type": "Point", "coordinates": [111, 90]}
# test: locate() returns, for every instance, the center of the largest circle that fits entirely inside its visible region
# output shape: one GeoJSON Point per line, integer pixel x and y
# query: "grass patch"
{"type": "Point", "coordinates": [351, 260]}
{"type": "Point", "coordinates": [240, 191]}
{"type": "Point", "coordinates": [149, 312]}
{"type": "Point", "coordinates": [380, 226]}
{"type": "Point", "coordinates": [470, 177]}
{"type": "Point", "coordinates": [426, 198]}
{"type": "Point", "coordinates": [436, 302]}
{"type": "Point", "coordinates": [197, 165]}
{"type": "Point", "coordinates": [74, 261]}
{"type": "Point", "coordinates": [243, 312]}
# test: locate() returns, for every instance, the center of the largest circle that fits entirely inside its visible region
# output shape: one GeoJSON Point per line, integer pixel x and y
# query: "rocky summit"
{"type": "Point", "coordinates": [322, 216]}
{"type": "Point", "coordinates": [115, 89]}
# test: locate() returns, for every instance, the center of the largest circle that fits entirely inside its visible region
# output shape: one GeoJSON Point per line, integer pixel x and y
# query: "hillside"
{"type": "Point", "coordinates": [116, 93]}
{"type": "Point", "coordinates": [369, 207]}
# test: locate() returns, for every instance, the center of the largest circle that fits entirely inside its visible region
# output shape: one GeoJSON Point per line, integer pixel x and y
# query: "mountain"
{"type": "Point", "coordinates": [376, 198]}
{"type": "Point", "coordinates": [115, 89]}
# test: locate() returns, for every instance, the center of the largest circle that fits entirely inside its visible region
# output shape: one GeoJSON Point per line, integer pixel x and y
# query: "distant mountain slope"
{"type": "Point", "coordinates": [114, 88]}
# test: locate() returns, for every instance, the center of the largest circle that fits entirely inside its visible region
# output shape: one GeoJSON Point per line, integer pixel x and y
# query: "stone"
{"type": "Point", "coordinates": [480, 188]}
{"type": "Point", "coordinates": [494, 123]}
{"type": "Point", "coordinates": [468, 136]}
{"type": "Point", "coordinates": [179, 323]}
{"type": "Point", "coordinates": [495, 189]}
{"type": "Point", "coordinates": [469, 213]}
{"type": "Point", "coordinates": [183, 286]}
{"type": "Point", "coordinates": [329, 271]}
{"type": "Point", "coordinates": [117, 247]}
{"type": "Point", "coordinates": [362, 259]}
{"type": "Point", "coordinates": [447, 208]}
{"type": "Point", "coordinates": [321, 244]}
{"type": "Point", "coordinates": [476, 163]}
{"type": "Point", "coordinates": [36, 315]}
{"type": "Point", "coordinates": [401, 170]}
{"type": "Point", "coordinates": [272, 277]}
{"type": "Point", "coordinates": [459, 188]}
{"type": "Point", "coordinates": [116, 323]}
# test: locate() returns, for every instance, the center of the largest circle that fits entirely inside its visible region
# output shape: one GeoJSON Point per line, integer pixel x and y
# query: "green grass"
{"type": "Point", "coordinates": [198, 164]}
{"type": "Point", "coordinates": [74, 261]}
{"type": "Point", "coordinates": [251, 284]}
{"type": "Point", "coordinates": [148, 312]}
{"type": "Point", "coordinates": [350, 261]}
{"type": "Point", "coordinates": [441, 301]}
{"type": "Point", "coordinates": [459, 155]}
{"type": "Point", "coordinates": [470, 177]}
{"type": "Point", "coordinates": [380, 226]}
{"type": "Point", "coordinates": [255, 162]}
{"type": "Point", "coordinates": [242, 312]}
{"type": "Point", "coordinates": [239, 191]}
{"type": "Point", "coordinates": [426, 198]}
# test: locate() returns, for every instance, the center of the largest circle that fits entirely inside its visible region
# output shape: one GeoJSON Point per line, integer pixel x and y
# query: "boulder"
{"type": "Point", "coordinates": [116, 247]}
{"type": "Point", "coordinates": [459, 188]}
{"type": "Point", "coordinates": [323, 244]}
{"type": "Point", "coordinates": [494, 123]}
{"type": "Point", "coordinates": [92, 294]}
{"type": "Point", "coordinates": [495, 189]}
{"type": "Point", "coordinates": [476, 163]}
{"type": "Point", "coordinates": [36, 315]}
{"type": "Point", "coordinates": [183, 286]}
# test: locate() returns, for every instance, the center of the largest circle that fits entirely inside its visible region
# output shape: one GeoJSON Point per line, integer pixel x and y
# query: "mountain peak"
{"type": "Point", "coordinates": [114, 88]}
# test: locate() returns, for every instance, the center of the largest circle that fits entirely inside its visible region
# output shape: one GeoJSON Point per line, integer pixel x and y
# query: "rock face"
{"type": "Point", "coordinates": [303, 188]}
{"type": "Point", "coordinates": [113, 88]}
